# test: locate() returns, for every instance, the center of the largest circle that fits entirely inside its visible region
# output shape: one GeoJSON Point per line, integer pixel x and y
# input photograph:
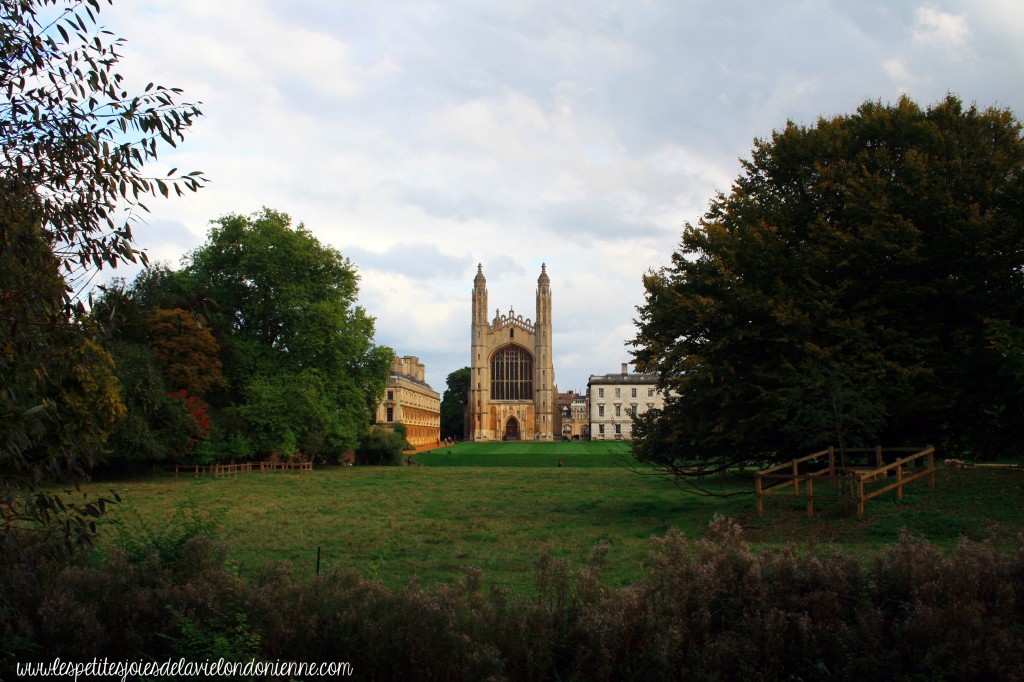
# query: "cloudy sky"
{"type": "Point", "coordinates": [420, 139]}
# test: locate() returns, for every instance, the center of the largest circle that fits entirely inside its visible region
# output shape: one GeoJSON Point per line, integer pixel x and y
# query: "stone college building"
{"type": "Point", "coordinates": [512, 380]}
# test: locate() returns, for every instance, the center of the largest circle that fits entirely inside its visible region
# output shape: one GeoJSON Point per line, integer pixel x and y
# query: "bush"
{"type": "Point", "coordinates": [381, 447]}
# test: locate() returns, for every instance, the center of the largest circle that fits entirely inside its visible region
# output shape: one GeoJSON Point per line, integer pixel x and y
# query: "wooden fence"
{"type": "Point", "coordinates": [222, 470]}
{"type": "Point", "coordinates": [865, 481]}
{"type": "Point", "coordinates": [286, 466]}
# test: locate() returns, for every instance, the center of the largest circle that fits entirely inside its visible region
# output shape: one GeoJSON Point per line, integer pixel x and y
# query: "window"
{"type": "Point", "coordinates": [632, 392]}
{"type": "Point", "coordinates": [600, 410]}
{"type": "Point", "coordinates": [512, 374]}
{"type": "Point", "coordinates": [391, 395]}
{"type": "Point", "coordinates": [391, 414]}
{"type": "Point", "coordinates": [618, 392]}
{"type": "Point", "coordinates": [650, 393]}
{"type": "Point", "coordinates": [600, 429]}
{"type": "Point", "coordinates": [600, 393]}
{"type": "Point", "coordinates": [618, 429]}
{"type": "Point", "coordinates": [618, 410]}
{"type": "Point", "coordinates": [632, 410]}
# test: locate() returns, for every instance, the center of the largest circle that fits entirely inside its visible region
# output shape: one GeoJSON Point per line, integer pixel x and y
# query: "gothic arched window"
{"type": "Point", "coordinates": [512, 374]}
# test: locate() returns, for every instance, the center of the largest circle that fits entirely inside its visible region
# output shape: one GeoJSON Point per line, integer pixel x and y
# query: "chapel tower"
{"type": "Point", "coordinates": [512, 378]}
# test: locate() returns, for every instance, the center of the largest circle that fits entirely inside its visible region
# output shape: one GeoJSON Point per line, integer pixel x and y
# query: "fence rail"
{"type": "Point", "coordinates": [822, 466]}
{"type": "Point", "coordinates": [222, 470]}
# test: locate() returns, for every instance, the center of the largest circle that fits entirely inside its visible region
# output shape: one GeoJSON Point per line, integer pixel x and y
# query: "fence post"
{"type": "Point", "coordinates": [810, 498]}
{"type": "Point", "coordinates": [796, 481]}
{"type": "Point", "coordinates": [899, 482]}
{"type": "Point", "coordinates": [860, 496]}
{"type": "Point", "coordinates": [757, 491]}
{"type": "Point", "coordinates": [318, 560]}
{"type": "Point", "coordinates": [931, 466]}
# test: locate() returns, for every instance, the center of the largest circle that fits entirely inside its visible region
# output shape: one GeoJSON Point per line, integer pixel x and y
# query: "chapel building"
{"type": "Point", "coordinates": [512, 380]}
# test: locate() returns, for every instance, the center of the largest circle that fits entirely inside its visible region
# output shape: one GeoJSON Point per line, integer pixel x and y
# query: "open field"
{"type": "Point", "coordinates": [435, 521]}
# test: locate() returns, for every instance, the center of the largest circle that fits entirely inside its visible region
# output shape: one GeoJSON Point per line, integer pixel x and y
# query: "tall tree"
{"type": "Point", "coordinates": [284, 309]}
{"type": "Point", "coordinates": [863, 281]}
{"type": "Point", "coordinates": [76, 163]}
{"type": "Point", "coordinates": [453, 404]}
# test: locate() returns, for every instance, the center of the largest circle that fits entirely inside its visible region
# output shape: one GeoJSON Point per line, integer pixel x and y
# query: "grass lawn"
{"type": "Point", "coordinates": [497, 510]}
{"type": "Point", "coordinates": [523, 454]}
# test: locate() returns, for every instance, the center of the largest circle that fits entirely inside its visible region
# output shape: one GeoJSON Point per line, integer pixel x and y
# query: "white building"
{"type": "Point", "coordinates": [615, 398]}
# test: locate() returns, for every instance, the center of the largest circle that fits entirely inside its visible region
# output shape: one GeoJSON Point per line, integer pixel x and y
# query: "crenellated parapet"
{"type": "Point", "coordinates": [501, 321]}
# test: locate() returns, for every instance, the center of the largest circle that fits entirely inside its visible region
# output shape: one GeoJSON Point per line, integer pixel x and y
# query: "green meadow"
{"type": "Point", "coordinates": [499, 507]}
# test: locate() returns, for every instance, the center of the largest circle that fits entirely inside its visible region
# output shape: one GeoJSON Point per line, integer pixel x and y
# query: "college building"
{"type": "Point", "coordinates": [409, 399]}
{"type": "Point", "coordinates": [615, 398]}
{"type": "Point", "coordinates": [572, 416]}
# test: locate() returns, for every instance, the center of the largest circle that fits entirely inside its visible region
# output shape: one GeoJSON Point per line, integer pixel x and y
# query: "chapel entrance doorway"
{"type": "Point", "coordinates": [511, 429]}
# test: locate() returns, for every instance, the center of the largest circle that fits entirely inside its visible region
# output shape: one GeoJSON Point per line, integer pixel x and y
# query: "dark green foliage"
{"type": "Point", "coordinates": [290, 414]}
{"type": "Point", "coordinates": [76, 151]}
{"type": "Point", "coordinates": [139, 540]}
{"type": "Point", "coordinates": [58, 398]}
{"type": "Point", "coordinates": [156, 428]}
{"type": "Point", "coordinates": [381, 446]}
{"type": "Point", "coordinates": [453, 404]}
{"type": "Point", "coordinates": [861, 283]}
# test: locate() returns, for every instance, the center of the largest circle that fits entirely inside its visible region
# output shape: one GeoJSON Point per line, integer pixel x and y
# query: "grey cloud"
{"type": "Point", "coordinates": [451, 203]}
{"type": "Point", "coordinates": [601, 218]}
{"type": "Point", "coordinates": [419, 261]}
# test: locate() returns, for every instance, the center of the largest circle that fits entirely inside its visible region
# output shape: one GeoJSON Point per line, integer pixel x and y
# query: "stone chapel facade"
{"type": "Point", "coordinates": [512, 380]}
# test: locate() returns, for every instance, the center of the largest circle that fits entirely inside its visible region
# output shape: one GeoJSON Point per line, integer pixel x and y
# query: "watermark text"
{"type": "Point", "coordinates": [130, 670]}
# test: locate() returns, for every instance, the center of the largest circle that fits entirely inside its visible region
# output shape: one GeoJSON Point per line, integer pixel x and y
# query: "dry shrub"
{"type": "Point", "coordinates": [120, 608]}
{"type": "Point", "coordinates": [707, 609]}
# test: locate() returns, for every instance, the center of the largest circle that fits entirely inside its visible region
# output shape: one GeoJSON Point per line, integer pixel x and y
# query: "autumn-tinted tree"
{"type": "Point", "coordinates": [187, 352]}
{"type": "Point", "coordinates": [123, 310]}
{"type": "Point", "coordinates": [157, 353]}
{"type": "Point", "coordinates": [862, 282]}
{"type": "Point", "coordinates": [453, 404]}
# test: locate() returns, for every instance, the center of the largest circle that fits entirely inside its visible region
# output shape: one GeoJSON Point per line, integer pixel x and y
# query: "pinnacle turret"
{"type": "Point", "coordinates": [543, 280]}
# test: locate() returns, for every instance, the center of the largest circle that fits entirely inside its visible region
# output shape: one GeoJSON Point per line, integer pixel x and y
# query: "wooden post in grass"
{"type": "Point", "coordinates": [810, 498]}
{"type": "Point", "coordinates": [899, 482]}
{"type": "Point", "coordinates": [860, 496]}
{"type": "Point", "coordinates": [796, 481]}
{"type": "Point", "coordinates": [757, 491]}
